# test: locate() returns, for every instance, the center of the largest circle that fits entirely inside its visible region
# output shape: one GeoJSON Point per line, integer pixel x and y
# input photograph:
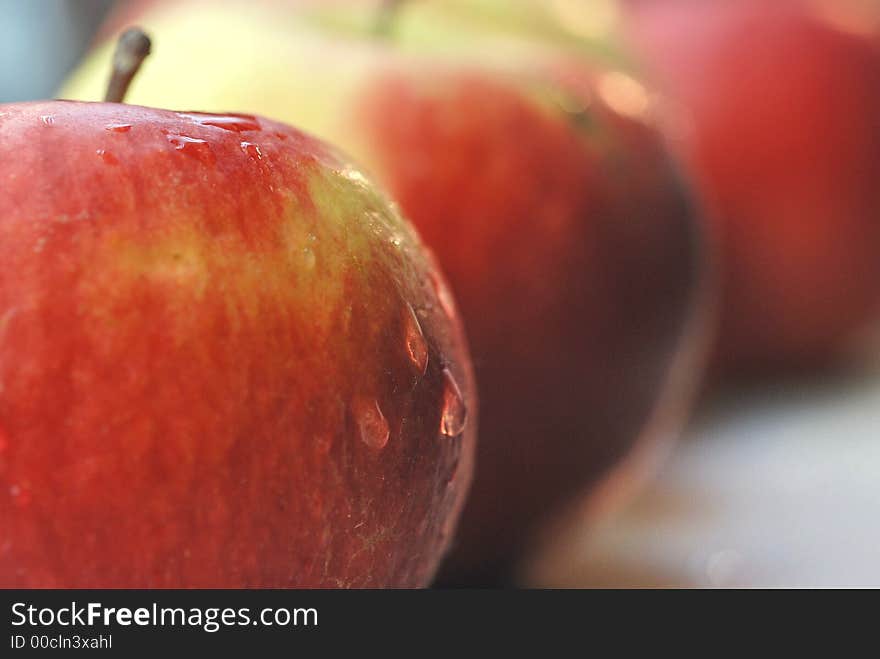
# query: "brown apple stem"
{"type": "Point", "coordinates": [131, 50]}
{"type": "Point", "coordinates": [385, 18]}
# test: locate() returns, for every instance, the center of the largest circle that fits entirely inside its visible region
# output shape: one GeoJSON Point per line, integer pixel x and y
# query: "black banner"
{"type": "Point", "coordinates": [127, 621]}
{"type": "Point", "coordinates": [327, 623]}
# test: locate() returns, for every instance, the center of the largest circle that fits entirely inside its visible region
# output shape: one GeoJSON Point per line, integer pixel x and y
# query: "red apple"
{"type": "Point", "coordinates": [782, 100]}
{"type": "Point", "coordinates": [225, 360]}
{"type": "Point", "coordinates": [543, 186]}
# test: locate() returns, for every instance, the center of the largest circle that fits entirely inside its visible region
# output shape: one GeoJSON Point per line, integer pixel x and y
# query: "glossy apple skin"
{"type": "Point", "coordinates": [783, 133]}
{"type": "Point", "coordinates": [223, 357]}
{"type": "Point", "coordinates": [560, 222]}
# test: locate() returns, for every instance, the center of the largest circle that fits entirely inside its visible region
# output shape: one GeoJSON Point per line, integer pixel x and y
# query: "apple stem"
{"type": "Point", "coordinates": [132, 48]}
{"type": "Point", "coordinates": [385, 18]}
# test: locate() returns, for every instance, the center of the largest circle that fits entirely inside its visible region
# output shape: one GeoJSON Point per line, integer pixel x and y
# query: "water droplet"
{"type": "Point", "coordinates": [308, 258]}
{"type": "Point", "coordinates": [354, 175]}
{"type": "Point", "coordinates": [372, 424]}
{"type": "Point", "coordinates": [441, 290]}
{"type": "Point", "coordinates": [180, 142]}
{"type": "Point", "coordinates": [416, 347]}
{"type": "Point", "coordinates": [193, 146]}
{"type": "Point", "coordinates": [47, 119]}
{"type": "Point", "coordinates": [453, 418]}
{"type": "Point", "coordinates": [396, 241]}
{"type": "Point", "coordinates": [107, 157]}
{"type": "Point", "coordinates": [118, 128]}
{"type": "Point", "coordinates": [252, 150]}
{"type": "Point", "coordinates": [236, 123]}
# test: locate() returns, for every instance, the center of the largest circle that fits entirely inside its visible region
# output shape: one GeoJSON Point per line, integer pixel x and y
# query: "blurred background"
{"type": "Point", "coordinates": [41, 41]}
{"type": "Point", "coordinates": [774, 486]}
{"type": "Point", "coordinates": [776, 481]}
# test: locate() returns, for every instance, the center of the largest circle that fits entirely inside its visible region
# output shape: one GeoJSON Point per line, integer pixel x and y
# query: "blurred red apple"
{"type": "Point", "coordinates": [782, 107]}
{"type": "Point", "coordinates": [570, 249]}
{"type": "Point", "coordinates": [543, 186]}
{"type": "Point", "coordinates": [224, 361]}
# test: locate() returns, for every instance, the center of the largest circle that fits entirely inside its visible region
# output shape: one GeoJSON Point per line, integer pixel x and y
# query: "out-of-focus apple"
{"type": "Point", "coordinates": [225, 360]}
{"type": "Point", "coordinates": [782, 103]}
{"type": "Point", "coordinates": [544, 189]}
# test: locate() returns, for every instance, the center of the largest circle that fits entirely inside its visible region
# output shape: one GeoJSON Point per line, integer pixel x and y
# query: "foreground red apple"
{"type": "Point", "coordinates": [225, 361]}
{"type": "Point", "coordinates": [543, 187]}
{"type": "Point", "coordinates": [783, 104]}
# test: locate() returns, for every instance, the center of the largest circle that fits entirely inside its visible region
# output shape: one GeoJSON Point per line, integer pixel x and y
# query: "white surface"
{"type": "Point", "coordinates": [780, 487]}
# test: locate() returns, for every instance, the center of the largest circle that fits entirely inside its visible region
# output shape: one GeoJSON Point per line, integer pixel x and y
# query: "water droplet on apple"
{"type": "Point", "coordinates": [118, 128]}
{"type": "Point", "coordinates": [47, 119]}
{"type": "Point", "coordinates": [233, 122]}
{"type": "Point", "coordinates": [252, 150]}
{"type": "Point", "coordinates": [454, 415]}
{"type": "Point", "coordinates": [193, 146]}
{"type": "Point", "coordinates": [372, 424]}
{"type": "Point", "coordinates": [354, 175]}
{"type": "Point", "coordinates": [444, 296]}
{"type": "Point", "coordinates": [107, 157]}
{"type": "Point", "coordinates": [414, 339]}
